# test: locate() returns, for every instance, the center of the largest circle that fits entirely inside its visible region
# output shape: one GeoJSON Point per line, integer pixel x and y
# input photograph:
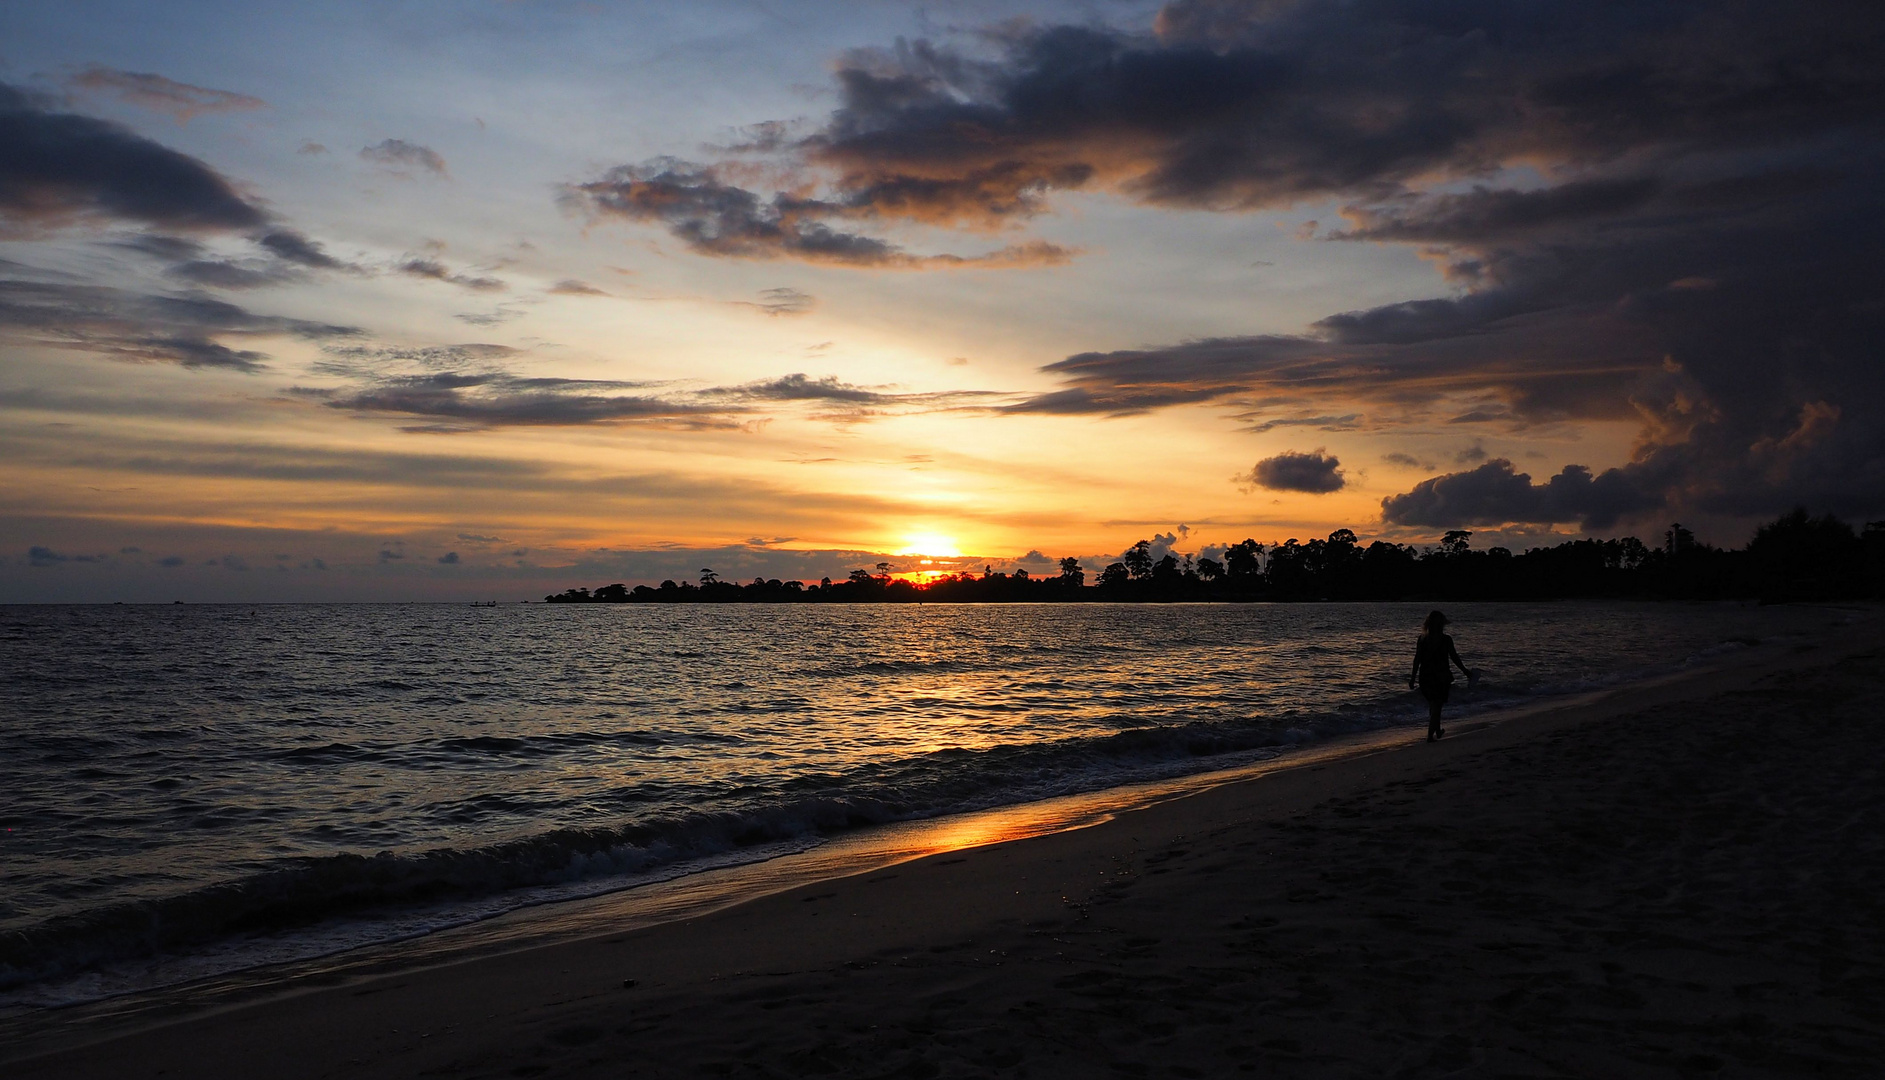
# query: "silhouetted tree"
{"type": "Point", "coordinates": [1138, 559]}
{"type": "Point", "coordinates": [1165, 571]}
{"type": "Point", "coordinates": [1243, 559]}
{"type": "Point", "coordinates": [1799, 557]}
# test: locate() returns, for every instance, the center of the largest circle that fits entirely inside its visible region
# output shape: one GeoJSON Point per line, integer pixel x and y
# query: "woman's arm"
{"type": "Point", "coordinates": [1454, 655]}
{"type": "Point", "coordinates": [1415, 674]}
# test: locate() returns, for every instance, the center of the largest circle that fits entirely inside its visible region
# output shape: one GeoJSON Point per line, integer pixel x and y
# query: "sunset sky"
{"type": "Point", "coordinates": [487, 300]}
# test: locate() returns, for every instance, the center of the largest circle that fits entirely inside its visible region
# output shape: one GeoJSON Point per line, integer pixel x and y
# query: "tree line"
{"type": "Point", "coordinates": [1795, 557]}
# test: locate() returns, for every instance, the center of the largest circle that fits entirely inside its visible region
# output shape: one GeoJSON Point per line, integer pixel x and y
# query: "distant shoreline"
{"type": "Point", "coordinates": [1795, 557]}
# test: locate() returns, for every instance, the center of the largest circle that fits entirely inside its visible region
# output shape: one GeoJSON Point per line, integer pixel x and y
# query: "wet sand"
{"type": "Point", "coordinates": [1685, 879]}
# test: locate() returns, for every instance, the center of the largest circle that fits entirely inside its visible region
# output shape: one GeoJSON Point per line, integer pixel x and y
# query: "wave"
{"type": "Point", "coordinates": [487, 879]}
{"type": "Point", "coordinates": [310, 891]}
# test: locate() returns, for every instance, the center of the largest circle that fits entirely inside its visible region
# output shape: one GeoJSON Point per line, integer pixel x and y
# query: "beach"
{"type": "Point", "coordinates": [1683, 878]}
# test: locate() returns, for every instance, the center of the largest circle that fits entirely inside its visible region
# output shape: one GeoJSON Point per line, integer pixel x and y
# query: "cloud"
{"type": "Point", "coordinates": [1240, 106]}
{"type": "Point", "coordinates": [1314, 472]}
{"type": "Point", "coordinates": [1494, 494]}
{"type": "Point", "coordinates": [311, 149]}
{"type": "Point", "coordinates": [285, 256]}
{"type": "Point", "coordinates": [783, 301]}
{"type": "Point", "coordinates": [796, 387]}
{"type": "Point", "coordinates": [1325, 422]}
{"type": "Point", "coordinates": [400, 156]}
{"type": "Point", "coordinates": [437, 271]}
{"type": "Point", "coordinates": [62, 167]}
{"type": "Point", "coordinates": [450, 558]}
{"type": "Point", "coordinates": [233, 274]}
{"type": "Point", "coordinates": [843, 402]}
{"type": "Point", "coordinates": [291, 246]}
{"type": "Point", "coordinates": [38, 555]}
{"type": "Point", "coordinates": [1656, 213]}
{"type": "Point", "coordinates": [573, 287]}
{"type": "Point", "coordinates": [716, 218]}
{"type": "Point", "coordinates": [180, 100]}
{"type": "Point", "coordinates": [475, 400]}
{"type": "Point", "coordinates": [470, 388]}
{"type": "Point", "coordinates": [187, 330]}
{"type": "Point", "coordinates": [1489, 214]}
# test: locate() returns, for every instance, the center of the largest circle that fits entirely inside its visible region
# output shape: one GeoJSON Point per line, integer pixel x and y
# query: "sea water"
{"type": "Point", "coordinates": [193, 789]}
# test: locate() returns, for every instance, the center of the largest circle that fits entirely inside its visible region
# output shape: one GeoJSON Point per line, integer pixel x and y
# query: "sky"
{"type": "Point", "coordinates": [485, 300]}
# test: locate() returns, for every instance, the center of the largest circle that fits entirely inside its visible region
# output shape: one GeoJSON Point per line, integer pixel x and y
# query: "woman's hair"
{"type": "Point", "coordinates": [1435, 622]}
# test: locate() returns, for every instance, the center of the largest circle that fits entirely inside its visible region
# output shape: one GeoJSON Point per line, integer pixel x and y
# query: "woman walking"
{"type": "Point", "coordinates": [1431, 671]}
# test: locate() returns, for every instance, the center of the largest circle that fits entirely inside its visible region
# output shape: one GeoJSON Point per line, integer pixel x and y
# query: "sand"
{"type": "Point", "coordinates": [1686, 879]}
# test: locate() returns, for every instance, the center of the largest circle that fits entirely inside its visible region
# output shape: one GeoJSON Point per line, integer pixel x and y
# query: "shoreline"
{"type": "Point", "coordinates": [319, 948]}
{"type": "Point", "coordinates": [523, 942]}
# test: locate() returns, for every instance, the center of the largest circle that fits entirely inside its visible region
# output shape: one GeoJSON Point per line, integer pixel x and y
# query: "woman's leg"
{"type": "Point", "coordinates": [1433, 716]}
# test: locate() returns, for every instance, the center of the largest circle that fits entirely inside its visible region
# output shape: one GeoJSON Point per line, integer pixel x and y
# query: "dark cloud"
{"type": "Point", "coordinates": [166, 248]}
{"type": "Point", "coordinates": [1488, 214]}
{"type": "Point", "coordinates": [469, 387]}
{"type": "Point", "coordinates": [285, 256]}
{"type": "Point", "coordinates": [1494, 494]}
{"type": "Point", "coordinates": [1314, 472]}
{"type": "Point", "coordinates": [180, 100]}
{"type": "Point", "coordinates": [60, 167]}
{"type": "Point", "coordinates": [475, 400]}
{"type": "Point", "coordinates": [783, 301]}
{"type": "Point", "coordinates": [714, 217]}
{"type": "Point", "coordinates": [1324, 422]}
{"type": "Point", "coordinates": [450, 558]}
{"type": "Point", "coordinates": [1241, 105]}
{"type": "Point", "coordinates": [290, 246]}
{"type": "Point", "coordinates": [796, 387]}
{"type": "Point", "coordinates": [401, 156]}
{"type": "Point", "coordinates": [233, 273]}
{"type": "Point", "coordinates": [437, 271]}
{"type": "Point", "coordinates": [187, 330]}
{"type": "Point", "coordinates": [840, 401]}
{"type": "Point", "coordinates": [372, 361]}
{"type": "Point", "coordinates": [45, 556]}
{"type": "Point", "coordinates": [1657, 212]}
{"type": "Point", "coordinates": [573, 287]}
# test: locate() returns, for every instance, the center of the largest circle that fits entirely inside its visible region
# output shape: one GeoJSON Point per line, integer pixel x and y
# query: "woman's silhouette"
{"type": "Point", "coordinates": [1431, 673]}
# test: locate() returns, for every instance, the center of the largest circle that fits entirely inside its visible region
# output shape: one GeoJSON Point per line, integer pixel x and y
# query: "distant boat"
{"type": "Point", "coordinates": [486, 603]}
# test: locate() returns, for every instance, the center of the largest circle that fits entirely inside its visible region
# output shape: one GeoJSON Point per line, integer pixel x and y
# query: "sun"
{"type": "Point", "coordinates": [933, 544]}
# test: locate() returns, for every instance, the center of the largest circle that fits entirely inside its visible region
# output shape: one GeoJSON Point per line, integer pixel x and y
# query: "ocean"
{"type": "Point", "coordinates": [189, 790]}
